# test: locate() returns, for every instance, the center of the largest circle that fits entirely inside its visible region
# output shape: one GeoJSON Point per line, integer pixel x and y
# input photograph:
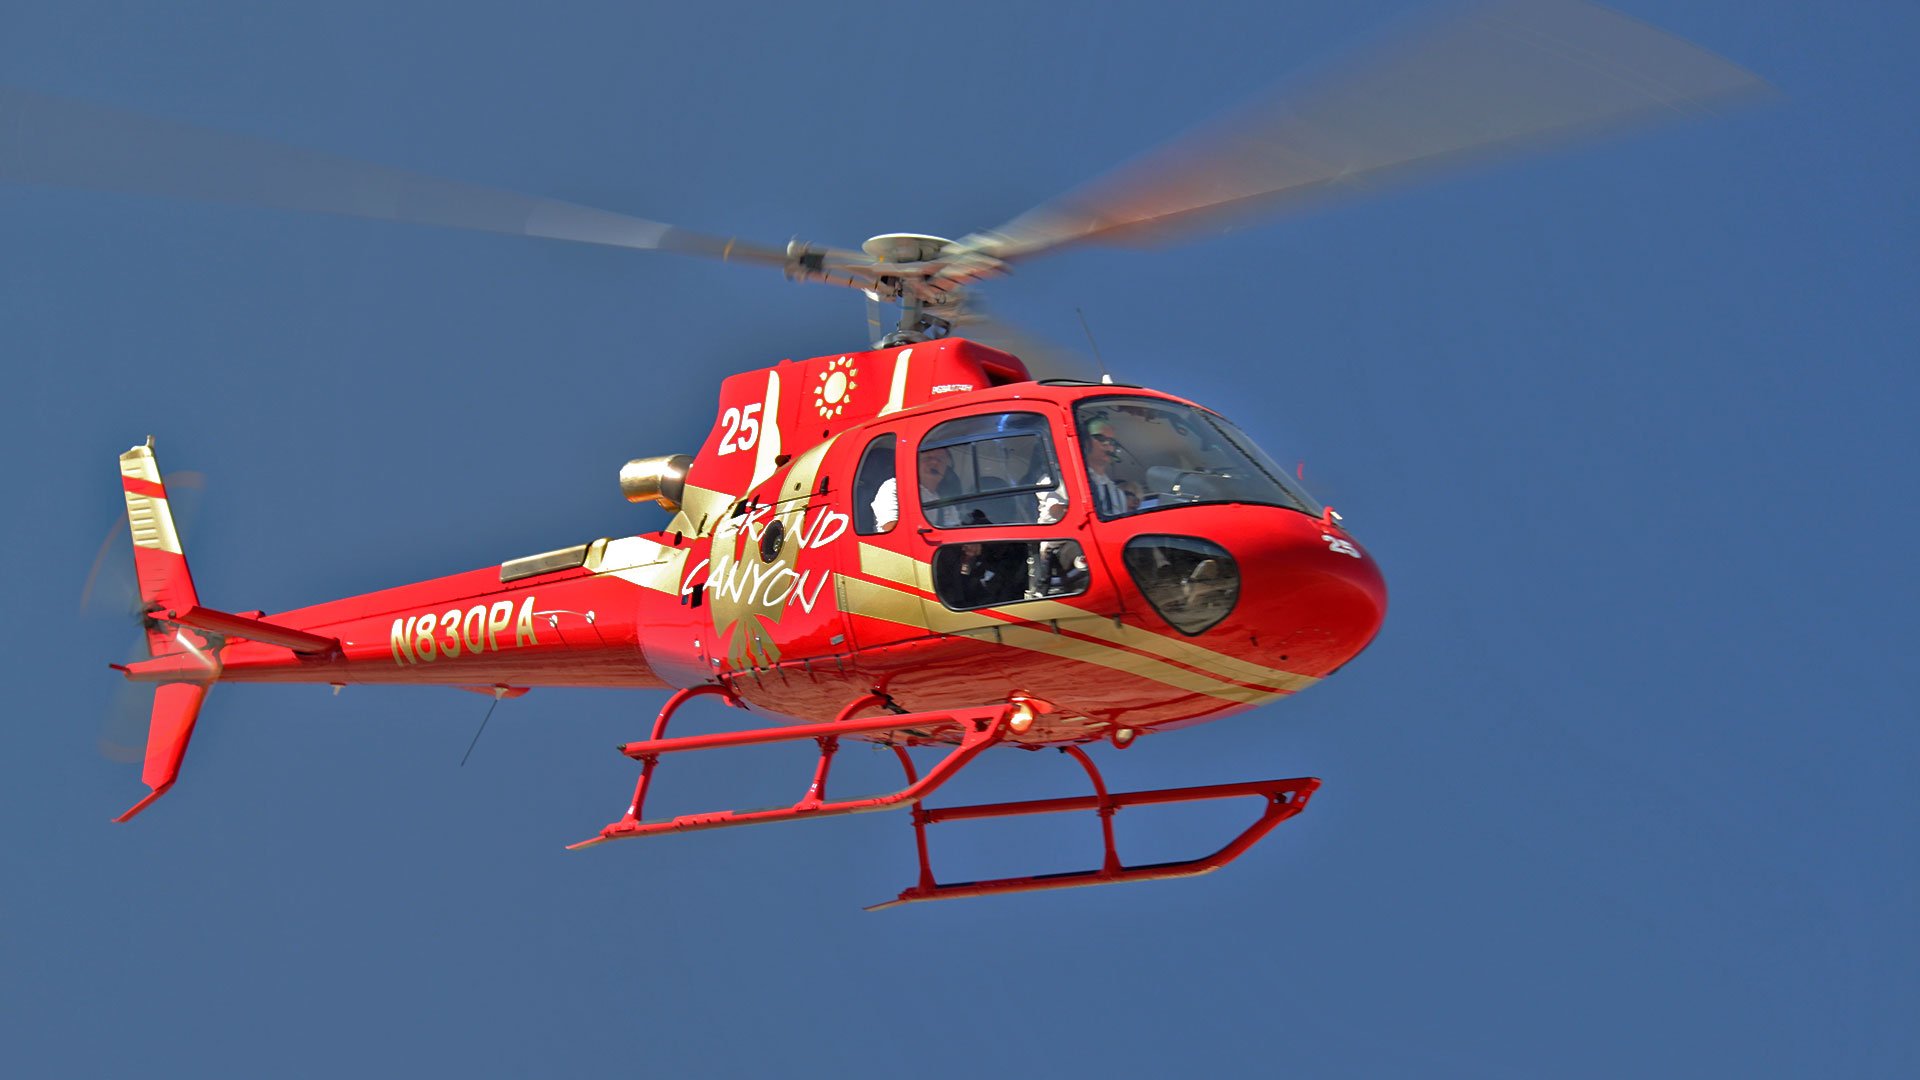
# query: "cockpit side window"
{"type": "Point", "coordinates": [876, 495]}
{"type": "Point", "coordinates": [999, 469]}
{"type": "Point", "coordinates": [1146, 453]}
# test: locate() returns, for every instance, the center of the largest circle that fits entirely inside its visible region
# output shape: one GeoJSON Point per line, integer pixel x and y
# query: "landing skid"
{"type": "Point", "coordinates": [1284, 799]}
{"type": "Point", "coordinates": [976, 729]}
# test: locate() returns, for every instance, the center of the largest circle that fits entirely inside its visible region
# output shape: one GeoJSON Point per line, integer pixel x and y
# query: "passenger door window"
{"type": "Point", "coordinates": [999, 469]}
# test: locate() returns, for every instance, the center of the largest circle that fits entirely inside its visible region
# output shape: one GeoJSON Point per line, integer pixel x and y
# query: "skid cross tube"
{"type": "Point", "coordinates": [979, 728]}
{"type": "Point", "coordinates": [659, 730]}
{"type": "Point", "coordinates": [1283, 798]}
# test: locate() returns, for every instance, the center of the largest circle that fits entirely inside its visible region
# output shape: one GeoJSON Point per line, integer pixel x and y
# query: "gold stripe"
{"type": "Point", "coordinates": [907, 570]}
{"type": "Point", "coordinates": [767, 461]}
{"type": "Point", "coordinates": [701, 510]}
{"type": "Point", "coordinates": [1092, 652]}
{"type": "Point", "coordinates": [877, 601]}
{"type": "Point", "coordinates": [1185, 652]}
{"type": "Point", "coordinates": [893, 605]}
{"type": "Point", "coordinates": [801, 475]}
{"type": "Point", "coordinates": [895, 567]}
{"type": "Point", "coordinates": [897, 398]}
{"type": "Point", "coordinates": [637, 559]}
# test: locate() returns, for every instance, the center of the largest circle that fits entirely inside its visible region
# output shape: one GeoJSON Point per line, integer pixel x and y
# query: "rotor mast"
{"type": "Point", "coordinates": [926, 275]}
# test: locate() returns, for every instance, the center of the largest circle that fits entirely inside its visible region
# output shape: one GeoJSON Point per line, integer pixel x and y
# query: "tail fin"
{"type": "Point", "coordinates": [166, 587]}
{"type": "Point", "coordinates": [165, 582]}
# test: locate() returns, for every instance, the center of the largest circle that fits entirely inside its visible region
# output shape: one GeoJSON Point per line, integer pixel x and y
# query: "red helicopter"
{"type": "Point", "coordinates": [919, 544]}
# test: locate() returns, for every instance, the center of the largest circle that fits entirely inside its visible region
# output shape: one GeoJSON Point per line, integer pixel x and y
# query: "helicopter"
{"type": "Point", "coordinates": [924, 543]}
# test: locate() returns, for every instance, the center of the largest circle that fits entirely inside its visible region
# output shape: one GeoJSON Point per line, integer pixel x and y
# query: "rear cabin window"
{"type": "Point", "coordinates": [876, 496]}
{"type": "Point", "coordinates": [993, 573]}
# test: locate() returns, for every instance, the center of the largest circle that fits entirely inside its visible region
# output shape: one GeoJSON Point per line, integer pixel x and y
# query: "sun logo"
{"type": "Point", "coordinates": [836, 387]}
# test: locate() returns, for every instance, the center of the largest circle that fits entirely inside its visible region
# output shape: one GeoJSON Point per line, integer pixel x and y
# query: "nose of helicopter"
{"type": "Point", "coordinates": [1318, 593]}
{"type": "Point", "coordinates": [1295, 592]}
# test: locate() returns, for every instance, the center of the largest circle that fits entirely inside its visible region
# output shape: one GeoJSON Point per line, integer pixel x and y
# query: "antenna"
{"type": "Point", "coordinates": [498, 692]}
{"type": "Point", "coordinates": [1106, 377]}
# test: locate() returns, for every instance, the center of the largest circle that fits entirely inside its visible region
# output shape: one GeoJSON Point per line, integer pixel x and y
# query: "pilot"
{"type": "Point", "coordinates": [1102, 449]}
{"type": "Point", "coordinates": [934, 466]}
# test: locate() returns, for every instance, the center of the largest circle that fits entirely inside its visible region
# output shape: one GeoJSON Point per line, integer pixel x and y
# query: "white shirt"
{"type": "Point", "coordinates": [886, 509]}
{"type": "Point", "coordinates": [886, 506]}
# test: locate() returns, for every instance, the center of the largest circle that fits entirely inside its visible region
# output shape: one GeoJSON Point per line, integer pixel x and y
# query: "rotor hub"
{"type": "Point", "coordinates": [905, 247]}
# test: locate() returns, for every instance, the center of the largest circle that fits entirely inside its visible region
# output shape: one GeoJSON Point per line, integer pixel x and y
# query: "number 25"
{"type": "Point", "coordinates": [743, 429]}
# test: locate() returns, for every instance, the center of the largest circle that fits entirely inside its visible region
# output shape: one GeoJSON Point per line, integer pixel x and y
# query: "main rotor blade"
{"type": "Point", "coordinates": [60, 143]}
{"type": "Point", "coordinates": [1488, 76]}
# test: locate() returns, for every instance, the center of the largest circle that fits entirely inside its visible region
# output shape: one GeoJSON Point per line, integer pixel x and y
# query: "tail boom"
{"type": "Point", "coordinates": [568, 626]}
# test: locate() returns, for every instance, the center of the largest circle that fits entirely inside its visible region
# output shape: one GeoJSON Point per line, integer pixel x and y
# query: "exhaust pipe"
{"type": "Point", "coordinates": [656, 479]}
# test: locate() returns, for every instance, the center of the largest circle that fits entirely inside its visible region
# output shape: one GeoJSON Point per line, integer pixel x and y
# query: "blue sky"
{"type": "Point", "coordinates": [1627, 783]}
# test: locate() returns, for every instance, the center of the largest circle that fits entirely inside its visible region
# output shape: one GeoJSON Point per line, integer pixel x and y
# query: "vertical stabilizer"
{"type": "Point", "coordinates": [165, 582]}
{"type": "Point", "coordinates": [166, 588]}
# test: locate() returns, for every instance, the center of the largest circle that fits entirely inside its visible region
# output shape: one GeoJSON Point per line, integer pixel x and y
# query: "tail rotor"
{"type": "Point", "coordinates": [110, 598]}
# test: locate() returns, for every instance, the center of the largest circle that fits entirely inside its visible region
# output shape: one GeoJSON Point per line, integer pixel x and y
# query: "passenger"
{"type": "Point", "coordinates": [985, 575]}
{"type": "Point", "coordinates": [1102, 450]}
{"type": "Point", "coordinates": [935, 464]}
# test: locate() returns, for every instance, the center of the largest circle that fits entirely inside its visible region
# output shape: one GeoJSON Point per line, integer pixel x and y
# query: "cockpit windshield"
{"type": "Point", "coordinates": [1147, 454]}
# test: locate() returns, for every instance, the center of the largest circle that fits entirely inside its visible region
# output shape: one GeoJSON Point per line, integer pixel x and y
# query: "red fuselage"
{"type": "Point", "coordinates": [1123, 585]}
